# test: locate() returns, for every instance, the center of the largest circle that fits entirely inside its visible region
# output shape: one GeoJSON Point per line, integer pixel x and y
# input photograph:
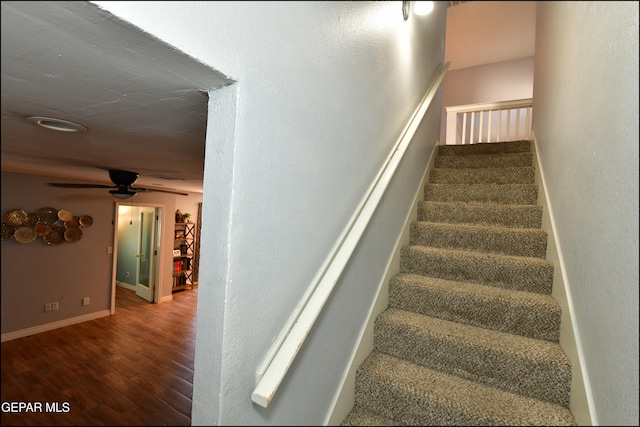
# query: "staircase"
{"type": "Point", "coordinates": [471, 333]}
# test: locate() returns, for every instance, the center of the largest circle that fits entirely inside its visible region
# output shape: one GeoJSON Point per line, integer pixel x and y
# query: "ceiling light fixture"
{"type": "Point", "coordinates": [122, 194]}
{"type": "Point", "coordinates": [56, 124]}
{"type": "Point", "coordinates": [422, 8]}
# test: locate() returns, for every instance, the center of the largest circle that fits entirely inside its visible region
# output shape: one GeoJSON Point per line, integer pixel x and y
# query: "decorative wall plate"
{"type": "Point", "coordinates": [16, 217]}
{"type": "Point", "coordinates": [54, 236]}
{"type": "Point", "coordinates": [65, 215]}
{"type": "Point", "coordinates": [86, 220]}
{"type": "Point", "coordinates": [32, 220]}
{"type": "Point", "coordinates": [7, 231]}
{"type": "Point", "coordinates": [48, 215]}
{"type": "Point", "coordinates": [41, 229]}
{"type": "Point", "coordinates": [73, 222]}
{"type": "Point", "coordinates": [72, 234]}
{"type": "Point", "coordinates": [24, 235]}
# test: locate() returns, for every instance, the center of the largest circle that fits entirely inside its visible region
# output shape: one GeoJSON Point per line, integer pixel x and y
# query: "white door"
{"type": "Point", "coordinates": [147, 253]}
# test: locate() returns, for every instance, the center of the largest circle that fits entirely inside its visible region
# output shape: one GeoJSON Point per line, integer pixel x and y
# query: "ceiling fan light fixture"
{"type": "Point", "coordinates": [56, 124]}
{"type": "Point", "coordinates": [122, 194]}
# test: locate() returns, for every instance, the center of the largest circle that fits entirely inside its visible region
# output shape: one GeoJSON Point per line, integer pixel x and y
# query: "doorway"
{"type": "Point", "coordinates": [137, 246]}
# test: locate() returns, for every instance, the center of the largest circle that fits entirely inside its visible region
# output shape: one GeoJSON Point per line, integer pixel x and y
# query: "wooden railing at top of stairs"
{"type": "Point", "coordinates": [490, 122]}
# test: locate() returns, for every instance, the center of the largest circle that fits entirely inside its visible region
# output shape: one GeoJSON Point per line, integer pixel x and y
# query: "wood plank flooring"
{"type": "Point", "coordinates": [134, 368]}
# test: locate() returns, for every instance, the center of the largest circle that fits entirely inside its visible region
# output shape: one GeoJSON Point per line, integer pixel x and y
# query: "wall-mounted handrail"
{"type": "Point", "coordinates": [272, 370]}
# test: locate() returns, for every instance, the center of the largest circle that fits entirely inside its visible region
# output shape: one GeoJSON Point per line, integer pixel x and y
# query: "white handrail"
{"type": "Point", "coordinates": [286, 346]}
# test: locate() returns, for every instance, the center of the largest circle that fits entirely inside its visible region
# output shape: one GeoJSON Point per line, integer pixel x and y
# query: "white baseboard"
{"type": "Point", "coordinates": [54, 325]}
{"type": "Point", "coordinates": [581, 399]}
{"type": "Point", "coordinates": [345, 398]}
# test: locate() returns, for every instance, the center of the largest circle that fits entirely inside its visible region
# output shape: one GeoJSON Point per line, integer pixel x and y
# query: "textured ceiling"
{"type": "Point", "coordinates": [144, 102]}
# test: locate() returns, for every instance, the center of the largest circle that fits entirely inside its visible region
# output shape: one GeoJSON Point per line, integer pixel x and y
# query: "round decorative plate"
{"type": "Point", "coordinates": [73, 222]}
{"type": "Point", "coordinates": [72, 234]}
{"type": "Point", "coordinates": [48, 215]}
{"type": "Point", "coordinates": [65, 215]}
{"type": "Point", "coordinates": [41, 229]}
{"type": "Point", "coordinates": [54, 236]}
{"type": "Point", "coordinates": [32, 219]}
{"type": "Point", "coordinates": [24, 235]}
{"type": "Point", "coordinates": [16, 217]}
{"type": "Point", "coordinates": [7, 231]}
{"type": "Point", "coordinates": [86, 220]}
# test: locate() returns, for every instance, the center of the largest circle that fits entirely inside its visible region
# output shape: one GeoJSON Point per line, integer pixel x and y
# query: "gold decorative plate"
{"type": "Point", "coordinates": [86, 220]}
{"type": "Point", "coordinates": [65, 215]}
{"type": "Point", "coordinates": [73, 222]}
{"type": "Point", "coordinates": [72, 234]}
{"type": "Point", "coordinates": [7, 231]}
{"type": "Point", "coordinates": [16, 217]}
{"type": "Point", "coordinates": [41, 229]}
{"type": "Point", "coordinates": [48, 215]}
{"type": "Point", "coordinates": [54, 236]}
{"type": "Point", "coordinates": [24, 235]}
{"type": "Point", "coordinates": [32, 219]}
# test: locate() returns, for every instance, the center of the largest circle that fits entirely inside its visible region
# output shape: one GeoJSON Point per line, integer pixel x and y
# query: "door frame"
{"type": "Point", "coordinates": [147, 292]}
{"type": "Point", "coordinates": [160, 245]}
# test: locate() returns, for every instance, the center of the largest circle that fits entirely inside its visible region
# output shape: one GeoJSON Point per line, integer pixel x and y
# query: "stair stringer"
{"type": "Point", "coordinates": [580, 399]}
{"type": "Point", "coordinates": [345, 397]}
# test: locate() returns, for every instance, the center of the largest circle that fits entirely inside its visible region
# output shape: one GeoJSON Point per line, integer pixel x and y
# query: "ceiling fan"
{"type": "Point", "coordinates": [123, 181]}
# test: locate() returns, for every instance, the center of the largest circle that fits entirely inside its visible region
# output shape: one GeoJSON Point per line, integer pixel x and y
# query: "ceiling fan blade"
{"type": "Point", "coordinates": [143, 189]}
{"type": "Point", "coordinates": [66, 185]}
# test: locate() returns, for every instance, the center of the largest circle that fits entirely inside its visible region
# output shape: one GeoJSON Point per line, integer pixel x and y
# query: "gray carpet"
{"type": "Point", "coordinates": [471, 333]}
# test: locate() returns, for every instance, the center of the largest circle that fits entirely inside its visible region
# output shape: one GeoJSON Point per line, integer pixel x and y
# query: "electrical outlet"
{"type": "Point", "coordinates": [54, 306]}
{"type": "Point", "coordinates": [47, 307]}
{"type": "Point", "coordinates": [85, 301]}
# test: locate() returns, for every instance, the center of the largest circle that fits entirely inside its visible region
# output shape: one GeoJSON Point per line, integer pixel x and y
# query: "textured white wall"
{"type": "Point", "coordinates": [323, 91]}
{"type": "Point", "coordinates": [586, 127]}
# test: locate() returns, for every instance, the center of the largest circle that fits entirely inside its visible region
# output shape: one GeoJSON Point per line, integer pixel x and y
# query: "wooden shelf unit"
{"type": "Point", "coordinates": [183, 264]}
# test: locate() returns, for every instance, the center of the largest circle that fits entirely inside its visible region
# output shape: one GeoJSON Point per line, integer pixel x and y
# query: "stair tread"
{"type": "Point", "coordinates": [358, 417]}
{"type": "Point", "coordinates": [480, 255]}
{"type": "Point", "coordinates": [492, 160]}
{"type": "Point", "coordinates": [485, 227]}
{"type": "Point", "coordinates": [506, 271]}
{"type": "Point", "coordinates": [519, 312]}
{"type": "Point", "coordinates": [485, 238]}
{"type": "Point", "coordinates": [417, 395]}
{"type": "Point", "coordinates": [482, 193]}
{"type": "Point", "coordinates": [485, 147]}
{"type": "Point", "coordinates": [506, 215]}
{"type": "Point", "coordinates": [489, 340]}
{"type": "Point", "coordinates": [506, 175]}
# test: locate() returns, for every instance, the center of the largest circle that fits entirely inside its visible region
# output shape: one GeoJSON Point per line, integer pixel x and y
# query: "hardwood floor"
{"type": "Point", "coordinates": [134, 368]}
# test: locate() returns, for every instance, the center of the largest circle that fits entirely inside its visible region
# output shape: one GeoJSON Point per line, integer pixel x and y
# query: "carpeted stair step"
{"type": "Point", "coordinates": [412, 394]}
{"type": "Point", "coordinates": [517, 216]}
{"type": "Point", "coordinates": [526, 314]}
{"type": "Point", "coordinates": [510, 160]}
{"type": "Point", "coordinates": [528, 242]}
{"type": "Point", "coordinates": [359, 417]}
{"type": "Point", "coordinates": [522, 365]}
{"type": "Point", "coordinates": [514, 194]}
{"type": "Point", "coordinates": [520, 175]}
{"type": "Point", "coordinates": [485, 148]}
{"type": "Point", "coordinates": [503, 271]}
